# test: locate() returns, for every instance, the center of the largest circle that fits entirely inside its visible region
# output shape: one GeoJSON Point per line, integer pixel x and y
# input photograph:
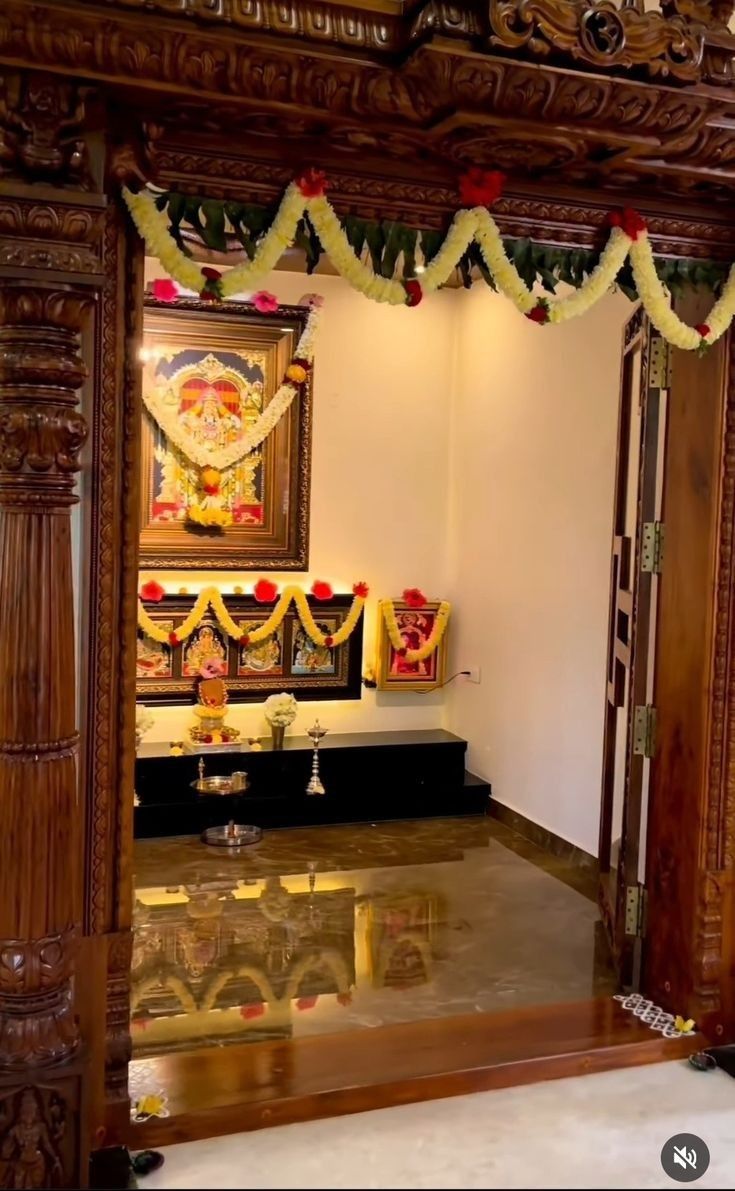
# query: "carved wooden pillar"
{"type": "Point", "coordinates": [41, 435]}
{"type": "Point", "coordinates": [51, 271]}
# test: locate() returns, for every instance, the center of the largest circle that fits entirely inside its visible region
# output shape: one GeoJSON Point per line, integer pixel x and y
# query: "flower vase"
{"type": "Point", "coordinates": [278, 731]}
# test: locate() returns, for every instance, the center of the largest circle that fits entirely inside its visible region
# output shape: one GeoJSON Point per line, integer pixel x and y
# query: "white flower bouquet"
{"type": "Point", "coordinates": [280, 710]}
{"type": "Point", "coordinates": [143, 722]}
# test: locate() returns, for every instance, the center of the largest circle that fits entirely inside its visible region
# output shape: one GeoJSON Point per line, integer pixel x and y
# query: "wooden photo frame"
{"type": "Point", "coordinates": [394, 673]}
{"type": "Point", "coordinates": [215, 370]}
{"type": "Point", "coordinates": [287, 661]}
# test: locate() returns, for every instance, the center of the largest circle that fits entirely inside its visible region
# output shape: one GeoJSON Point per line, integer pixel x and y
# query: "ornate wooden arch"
{"type": "Point", "coordinates": [587, 106]}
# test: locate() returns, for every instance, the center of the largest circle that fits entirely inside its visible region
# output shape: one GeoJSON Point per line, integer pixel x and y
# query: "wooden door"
{"type": "Point", "coordinates": [630, 723]}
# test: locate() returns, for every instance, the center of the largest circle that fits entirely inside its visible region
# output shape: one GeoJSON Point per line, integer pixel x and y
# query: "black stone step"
{"type": "Point", "coordinates": [369, 777]}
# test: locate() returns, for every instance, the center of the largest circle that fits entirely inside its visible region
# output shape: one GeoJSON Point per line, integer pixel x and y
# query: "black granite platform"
{"type": "Point", "coordinates": [369, 777]}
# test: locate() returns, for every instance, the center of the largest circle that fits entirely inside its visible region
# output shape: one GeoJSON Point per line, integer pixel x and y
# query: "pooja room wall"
{"type": "Point", "coordinates": [380, 474]}
{"type": "Point", "coordinates": [532, 469]}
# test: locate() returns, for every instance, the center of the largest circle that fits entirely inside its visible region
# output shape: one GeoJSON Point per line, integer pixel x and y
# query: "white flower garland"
{"type": "Point", "coordinates": [469, 224]}
{"type": "Point", "coordinates": [222, 458]}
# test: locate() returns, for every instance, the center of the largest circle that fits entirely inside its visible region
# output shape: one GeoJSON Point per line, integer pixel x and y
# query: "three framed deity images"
{"type": "Point", "coordinates": [286, 660]}
{"type": "Point", "coordinates": [207, 501]}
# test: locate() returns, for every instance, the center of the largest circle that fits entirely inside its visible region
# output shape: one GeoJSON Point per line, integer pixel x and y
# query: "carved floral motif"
{"type": "Point", "coordinates": [37, 1023]}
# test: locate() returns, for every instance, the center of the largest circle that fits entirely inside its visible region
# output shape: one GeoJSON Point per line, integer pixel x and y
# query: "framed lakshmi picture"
{"type": "Point", "coordinates": [287, 660]}
{"type": "Point", "coordinates": [207, 499]}
{"type": "Point", "coordinates": [393, 670]}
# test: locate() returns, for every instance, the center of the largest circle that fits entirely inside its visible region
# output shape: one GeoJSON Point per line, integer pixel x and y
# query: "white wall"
{"type": "Point", "coordinates": [380, 469]}
{"type": "Point", "coordinates": [532, 472]}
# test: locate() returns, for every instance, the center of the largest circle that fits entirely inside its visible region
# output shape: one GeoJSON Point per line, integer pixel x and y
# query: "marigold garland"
{"type": "Point", "coordinates": [394, 633]}
{"type": "Point", "coordinates": [211, 597]}
{"type": "Point", "coordinates": [628, 238]}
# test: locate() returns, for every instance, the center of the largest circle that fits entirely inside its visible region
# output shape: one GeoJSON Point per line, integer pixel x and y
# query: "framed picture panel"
{"type": "Point", "coordinates": [286, 661]}
{"type": "Point", "coordinates": [395, 673]}
{"type": "Point", "coordinates": [208, 374]}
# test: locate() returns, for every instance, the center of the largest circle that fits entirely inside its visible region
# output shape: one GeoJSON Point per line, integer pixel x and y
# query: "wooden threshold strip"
{"type": "Point", "coordinates": [218, 1090]}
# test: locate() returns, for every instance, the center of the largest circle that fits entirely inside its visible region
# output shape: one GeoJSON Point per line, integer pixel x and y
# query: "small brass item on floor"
{"type": "Point", "coordinates": [315, 784]}
{"type": "Point", "coordinates": [232, 834]}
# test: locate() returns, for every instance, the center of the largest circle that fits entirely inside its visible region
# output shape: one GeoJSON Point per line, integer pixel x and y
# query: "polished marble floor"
{"type": "Point", "coordinates": [327, 929]}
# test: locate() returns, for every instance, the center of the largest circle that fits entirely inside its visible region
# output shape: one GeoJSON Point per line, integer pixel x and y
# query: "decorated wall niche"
{"type": "Point", "coordinates": [226, 442]}
{"type": "Point", "coordinates": [311, 647]}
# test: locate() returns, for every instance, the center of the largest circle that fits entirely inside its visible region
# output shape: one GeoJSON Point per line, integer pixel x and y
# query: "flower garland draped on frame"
{"type": "Point", "coordinates": [306, 196]}
{"type": "Point", "coordinates": [211, 597]}
{"type": "Point", "coordinates": [205, 455]}
{"type": "Point", "coordinates": [434, 640]}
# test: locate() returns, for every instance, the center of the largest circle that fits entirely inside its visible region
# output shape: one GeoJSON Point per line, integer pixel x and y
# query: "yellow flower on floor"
{"type": "Point", "coordinates": [682, 1026]}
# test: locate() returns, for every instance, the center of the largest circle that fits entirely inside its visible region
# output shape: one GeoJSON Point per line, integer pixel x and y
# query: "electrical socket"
{"type": "Point", "coordinates": [473, 673]}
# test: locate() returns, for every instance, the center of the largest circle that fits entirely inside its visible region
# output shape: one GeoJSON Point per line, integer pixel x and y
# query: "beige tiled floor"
{"type": "Point", "coordinates": [596, 1131]}
{"type": "Point", "coordinates": [329, 929]}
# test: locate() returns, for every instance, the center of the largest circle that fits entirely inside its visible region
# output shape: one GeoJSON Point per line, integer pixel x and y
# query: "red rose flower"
{"type": "Point", "coordinates": [244, 640]}
{"type": "Point", "coordinates": [165, 290]}
{"type": "Point", "coordinates": [152, 591]}
{"type": "Point", "coordinates": [211, 489]}
{"type": "Point", "coordinates": [414, 292]}
{"type": "Point", "coordinates": [207, 739]}
{"type": "Point", "coordinates": [361, 589]}
{"type": "Point", "coordinates": [248, 1012]}
{"type": "Point", "coordinates": [312, 182]}
{"type": "Point", "coordinates": [265, 591]}
{"type": "Point", "coordinates": [211, 274]}
{"type": "Point", "coordinates": [540, 313]}
{"type": "Point", "coordinates": [629, 220]}
{"type": "Point", "coordinates": [480, 188]}
{"type": "Point", "coordinates": [329, 642]}
{"type": "Point", "coordinates": [702, 329]}
{"type": "Point", "coordinates": [173, 639]}
{"type": "Point", "coordinates": [321, 590]}
{"type": "Point", "coordinates": [306, 1002]}
{"type": "Point", "coordinates": [414, 597]}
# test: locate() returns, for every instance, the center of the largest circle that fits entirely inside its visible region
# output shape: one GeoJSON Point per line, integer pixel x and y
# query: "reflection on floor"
{"type": "Point", "coordinates": [326, 929]}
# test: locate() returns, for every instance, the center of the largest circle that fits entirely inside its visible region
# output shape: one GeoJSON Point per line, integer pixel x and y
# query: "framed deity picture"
{"type": "Point", "coordinates": [393, 671]}
{"type": "Point", "coordinates": [206, 499]}
{"type": "Point", "coordinates": [288, 660]}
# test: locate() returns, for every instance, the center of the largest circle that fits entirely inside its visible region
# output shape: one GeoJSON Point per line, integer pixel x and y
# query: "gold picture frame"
{"type": "Point", "coordinates": [191, 347]}
{"type": "Point", "coordinates": [393, 673]}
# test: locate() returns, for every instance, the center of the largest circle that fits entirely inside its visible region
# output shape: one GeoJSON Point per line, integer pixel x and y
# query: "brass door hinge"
{"type": "Point", "coordinates": [644, 731]}
{"type": "Point", "coordinates": [652, 547]}
{"type": "Point", "coordinates": [659, 367]}
{"type": "Point", "coordinates": [636, 904]}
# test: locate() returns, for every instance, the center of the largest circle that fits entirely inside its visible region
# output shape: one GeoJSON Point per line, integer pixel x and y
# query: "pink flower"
{"type": "Point", "coordinates": [264, 302]}
{"type": "Point", "coordinates": [212, 668]}
{"type": "Point", "coordinates": [165, 290]}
